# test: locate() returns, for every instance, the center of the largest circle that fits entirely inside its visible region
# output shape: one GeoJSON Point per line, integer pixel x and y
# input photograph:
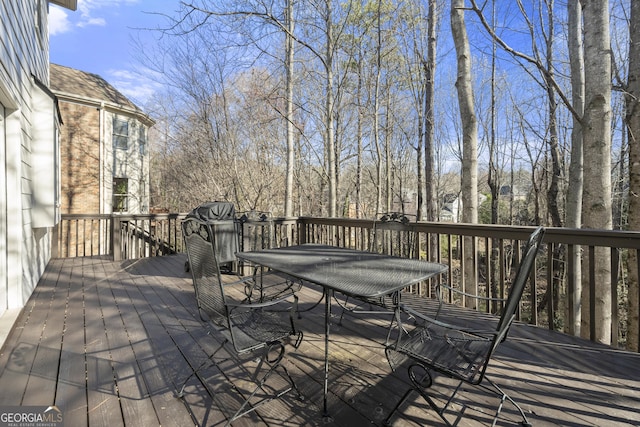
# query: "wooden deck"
{"type": "Point", "coordinates": [110, 343]}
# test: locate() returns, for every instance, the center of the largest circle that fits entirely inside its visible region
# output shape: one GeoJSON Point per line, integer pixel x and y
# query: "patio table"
{"type": "Point", "coordinates": [348, 271]}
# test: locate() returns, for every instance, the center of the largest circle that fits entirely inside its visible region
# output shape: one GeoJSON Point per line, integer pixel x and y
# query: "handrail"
{"type": "Point", "coordinates": [496, 250]}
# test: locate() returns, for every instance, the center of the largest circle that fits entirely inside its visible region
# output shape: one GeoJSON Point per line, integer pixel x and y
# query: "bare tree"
{"type": "Point", "coordinates": [376, 112]}
{"type": "Point", "coordinates": [573, 215]}
{"type": "Point", "coordinates": [289, 62]}
{"type": "Point", "coordinates": [429, 115]}
{"type": "Point", "coordinates": [329, 107]}
{"type": "Point", "coordinates": [596, 207]}
{"type": "Point", "coordinates": [596, 197]}
{"type": "Point", "coordinates": [469, 136]}
{"type": "Point", "coordinates": [632, 96]}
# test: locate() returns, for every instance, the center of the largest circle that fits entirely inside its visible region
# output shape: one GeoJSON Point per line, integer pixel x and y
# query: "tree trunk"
{"type": "Point", "coordinates": [330, 134]}
{"type": "Point", "coordinates": [376, 117]}
{"type": "Point", "coordinates": [429, 115]}
{"type": "Point", "coordinates": [469, 188]}
{"type": "Point", "coordinates": [388, 176]}
{"type": "Point", "coordinates": [288, 198]}
{"type": "Point", "coordinates": [574, 190]}
{"type": "Point", "coordinates": [553, 191]}
{"type": "Point", "coordinates": [633, 130]}
{"type": "Point", "coordinates": [596, 208]}
{"type": "Point", "coordinates": [431, 196]}
{"type": "Point", "coordinates": [492, 176]}
{"type": "Point", "coordinates": [359, 136]}
{"type": "Point", "coordinates": [554, 151]}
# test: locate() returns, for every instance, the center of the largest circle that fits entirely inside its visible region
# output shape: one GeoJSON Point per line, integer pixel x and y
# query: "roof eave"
{"type": "Point", "coordinates": [99, 103]}
{"type": "Point", "coordinates": [68, 4]}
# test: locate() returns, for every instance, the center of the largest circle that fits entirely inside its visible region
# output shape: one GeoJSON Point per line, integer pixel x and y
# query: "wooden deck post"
{"type": "Point", "coordinates": [116, 238]}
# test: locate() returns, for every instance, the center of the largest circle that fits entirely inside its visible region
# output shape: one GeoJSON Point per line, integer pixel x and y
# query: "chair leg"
{"type": "Point", "coordinates": [504, 396]}
{"type": "Point", "coordinates": [207, 362]}
{"type": "Point", "coordinates": [345, 308]}
{"type": "Point", "coordinates": [421, 382]}
{"type": "Point", "coordinates": [397, 318]}
{"type": "Point", "coordinates": [274, 365]}
{"type": "Point", "coordinates": [387, 421]}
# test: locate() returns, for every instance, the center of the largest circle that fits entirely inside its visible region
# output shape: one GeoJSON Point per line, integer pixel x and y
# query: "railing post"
{"type": "Point", "coordinates": [116, 238]}
{"type": "Point", "coordinates": [55, 241]}
{"type": "Point", "coordinates": [302, 232]}
{"type": "Point", "coordinates": [69, 239]}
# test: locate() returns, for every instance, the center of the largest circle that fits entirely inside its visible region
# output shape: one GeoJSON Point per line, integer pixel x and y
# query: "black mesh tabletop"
{"type": "Point", "coordinates": [349, 271]}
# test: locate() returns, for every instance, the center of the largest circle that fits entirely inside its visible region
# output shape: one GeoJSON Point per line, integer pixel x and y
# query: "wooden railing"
{"type": "Point", "coordinates": [142, 236]}
{"type": "Point", "coordinates": [118, 236]}
{"type": "Point", "coordinates": [496, 252]}
{"type": "Point", "coordinates": [83, 235]}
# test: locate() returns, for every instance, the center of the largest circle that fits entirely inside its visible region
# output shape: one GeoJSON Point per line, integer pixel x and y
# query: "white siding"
{"type": "Point", "coordinates": [4, 285]}
{"type": "Point", "coordinates": [128, 164]}
{"type": "Point", "coordinates": [24, 53]}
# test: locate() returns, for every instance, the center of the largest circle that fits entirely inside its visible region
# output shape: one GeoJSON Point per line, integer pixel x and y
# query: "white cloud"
{"type": "Point", "coordinates": [58, 21]}
{"type": "Point", "coordinates": [89, 21]}
{"type": "Point", "coordinates": [135, 85]}
{"type": "Point", "coordinates": [88, 14]}
{"type": "Point", "coordinates": [87, 9]}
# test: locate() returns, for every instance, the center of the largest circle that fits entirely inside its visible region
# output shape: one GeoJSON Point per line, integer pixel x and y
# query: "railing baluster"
{"type": "Point", "coordinates": [615, 260]}
{"type": "Point", "coordinates": [128, 236]}
{"type": "Point", "coordinates": [550, 287]}
{"type": "Point", "coordinates": [592, 293]}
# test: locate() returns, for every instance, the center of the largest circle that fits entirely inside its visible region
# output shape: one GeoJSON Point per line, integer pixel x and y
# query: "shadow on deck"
{"type": "Point", "coordinates": [110, 343]}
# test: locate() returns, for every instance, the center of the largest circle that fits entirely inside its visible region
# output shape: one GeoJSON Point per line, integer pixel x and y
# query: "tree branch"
{"type": "Point", "coordinates": [517, 54]}
{"type": "Point", "coordinates": [266, 16]}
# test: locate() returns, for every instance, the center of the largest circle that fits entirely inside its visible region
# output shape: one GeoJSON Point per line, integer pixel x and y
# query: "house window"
{"type": "Point", "coordinates": [120, 194]}
{"type": "Point", "coordinates": [120, 133]}
{"type": "Point", "coordinates": [142, 140]}
{"type": "Point", "coordinates": [143, 197]}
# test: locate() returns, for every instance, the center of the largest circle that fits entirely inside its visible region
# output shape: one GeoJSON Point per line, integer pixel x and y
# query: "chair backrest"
{"type": "Point", "coordinates": [200, 241]}
{"type": "Point", "coordinates": [392, 234]}
{"type": "Point", "coordinates": [520, 280]}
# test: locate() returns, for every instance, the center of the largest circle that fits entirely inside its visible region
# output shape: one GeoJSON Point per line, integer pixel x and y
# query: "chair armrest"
{"type": "Point", "coordinates": [426, 319]}
{"type": "Point", "coordinates": [268, 303]}
{"type": "Point", "coordinates": [283, 278]}
{"type": "Point", "coordinates": [455, 351]}
{"type": "Point", "coordinates": [247, 281]}
{"type": "Point", "coordinates": [465, 294]}
{"type": "Point", "coordinates": [242, 280]}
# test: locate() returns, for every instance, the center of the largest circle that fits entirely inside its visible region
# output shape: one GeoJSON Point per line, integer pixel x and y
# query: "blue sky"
{"type": "Point", "coordinates": [97, 38]}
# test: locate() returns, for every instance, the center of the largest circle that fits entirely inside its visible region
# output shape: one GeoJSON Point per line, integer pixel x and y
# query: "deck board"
{"type": "Point", "coordinates": [71, 392]}
{"type": "Point", "coordinates": [110, 343]}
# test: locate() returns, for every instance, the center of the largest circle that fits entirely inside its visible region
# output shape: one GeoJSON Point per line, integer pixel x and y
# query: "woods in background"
{"type": "Point", "coordinates": [326, 108]}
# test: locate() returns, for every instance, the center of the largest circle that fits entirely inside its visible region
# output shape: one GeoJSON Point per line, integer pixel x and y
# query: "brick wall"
{"type": "Point", "coordinates": [80, 159]}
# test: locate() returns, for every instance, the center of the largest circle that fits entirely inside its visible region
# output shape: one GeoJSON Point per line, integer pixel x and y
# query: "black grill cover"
{"type": "Point", "coordinates": [214, 211]}
{"type": "Point", "coordinates": [222, 217]}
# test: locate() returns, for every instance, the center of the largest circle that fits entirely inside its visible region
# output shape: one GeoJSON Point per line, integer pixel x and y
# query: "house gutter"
{"type": "Point", "coordinates": [120, 108]}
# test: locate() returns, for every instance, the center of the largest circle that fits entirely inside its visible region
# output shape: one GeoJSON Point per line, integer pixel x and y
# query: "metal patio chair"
{"type": "Point", "coordinates": [460, 353]}
{"type": "Point", "coordinates": [391, 234]}
{"type": "Point", "coordinates": [263, 327]}
{"type": "Point", "coordinates": [228, 230]}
